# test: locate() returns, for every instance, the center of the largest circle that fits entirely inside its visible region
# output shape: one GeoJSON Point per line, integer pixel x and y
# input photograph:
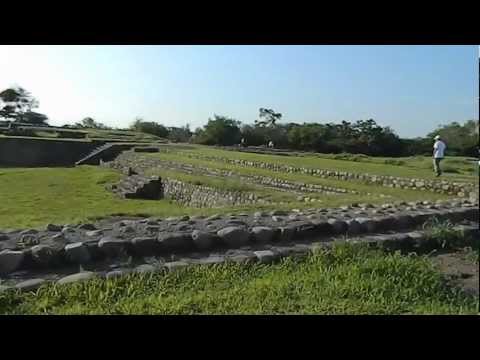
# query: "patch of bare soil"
{"type": "Point", "coordinates": [460, 268]}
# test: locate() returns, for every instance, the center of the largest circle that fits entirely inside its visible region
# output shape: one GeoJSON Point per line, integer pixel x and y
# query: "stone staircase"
{"type": "Point", "coordinates": [106, 152]}
{"type": "Point", "coordinates": [139, 187]}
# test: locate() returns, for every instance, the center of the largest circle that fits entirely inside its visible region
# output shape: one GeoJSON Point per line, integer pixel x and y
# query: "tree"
{"type": "Point", "coordinates": [270, 116]}
{"type": "Point", "coordinates": [182, 134]}
{"type": "Point", "coordinates": [17, 103]}
{"type": "Point", "coordinates": [151, 127]}
{"type": "Point", "coordinates": [90, 123]}
{"type": "Point", "coordinates": [32, 117]}
{"type": "Point", "coordinates": [220, 130]}
{"type": "Point", "coordinates": [460, 139]}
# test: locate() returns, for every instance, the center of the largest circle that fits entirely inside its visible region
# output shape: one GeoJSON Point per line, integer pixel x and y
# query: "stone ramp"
{"type": "Point", "coordinates": [107, 152]}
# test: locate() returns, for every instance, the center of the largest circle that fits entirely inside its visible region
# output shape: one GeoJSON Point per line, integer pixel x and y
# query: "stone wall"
{"type": "Point", "coordinates": [204, 196]}
{"type": "Point", "coordinates": [141, 164]}
{"type": "Point", "coordinates": [439, 186]}
{"type": "Point", "coordinates": [41, 152]}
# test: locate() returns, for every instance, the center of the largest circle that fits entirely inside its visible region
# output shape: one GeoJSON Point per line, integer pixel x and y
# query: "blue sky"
{"type": "Point", "coordinates": [412, 89]}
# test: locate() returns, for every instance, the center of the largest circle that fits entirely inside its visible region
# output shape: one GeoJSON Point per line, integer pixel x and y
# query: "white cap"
{"type": "Point", "coordinates": [437, 137]}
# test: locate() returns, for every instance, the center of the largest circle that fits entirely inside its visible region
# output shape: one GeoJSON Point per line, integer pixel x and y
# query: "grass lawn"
{"type": "Point", "coordinates": [348, 280]}
{"type": "Point", "coordinates": [399, 194]}
{"type": "Point", "coordinates": [416, 167]}
{"type": "Point", "coordinates": [35, 197]}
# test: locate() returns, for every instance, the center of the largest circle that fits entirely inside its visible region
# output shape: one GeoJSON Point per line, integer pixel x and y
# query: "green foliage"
{"type": "Point", "coordinates": [182, 134]}
{"type": "Point", "coordinates": [220, 130]}
{"type": "Point", "coordinates": [151, 127]}
{"type": "Point", "coordinates": [460, 139]}
{"type": "Point", "coordinates": [90, 123]}
{"type": "Point", "coordinates": [17, 103]}
{"type": "Point", "coordinates": [347, 280]}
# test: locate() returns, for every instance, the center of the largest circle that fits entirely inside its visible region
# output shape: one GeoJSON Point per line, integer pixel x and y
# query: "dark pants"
{"type": "Point", "coordinates": [436, 165]}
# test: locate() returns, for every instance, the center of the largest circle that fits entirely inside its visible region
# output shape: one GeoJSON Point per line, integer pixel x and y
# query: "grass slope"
{"type": "Point", "coordinates": [412, 167]}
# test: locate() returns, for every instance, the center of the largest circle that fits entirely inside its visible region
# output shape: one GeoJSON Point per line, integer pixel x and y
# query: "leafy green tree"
{"type": "Point", "coordinates": [182, 134]}
{"type": "Point", "coordinates": [90, 123]}
{"type": "Point", "coordinates": [268, 117]}
{"type": "Point", "coordinates": [460, 139]}
{"type": "Point", "coordinates": [149, 127]}
{"type": "Point", "coordinates": [220, 130]}
{"type": "Point", "coordinates": [17, 104]}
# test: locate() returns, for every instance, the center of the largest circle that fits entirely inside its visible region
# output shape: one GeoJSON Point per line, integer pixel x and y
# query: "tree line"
{"type": "Point", "coordinates": [360, 137]}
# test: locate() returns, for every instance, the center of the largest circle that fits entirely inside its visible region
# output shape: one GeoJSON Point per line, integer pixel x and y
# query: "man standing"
{"type": "Point", "coordinates": [438, 154]}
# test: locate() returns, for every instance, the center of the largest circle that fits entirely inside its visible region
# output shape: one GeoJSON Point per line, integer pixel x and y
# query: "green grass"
{"type": "Point", "coordinates": [413, 167]}
{"type": "Point", "coordinates": [35, 197]}
{"type": "Point", "coordinates": [347, 280]}
{"type": "Point", "coordinates": [396, 194]}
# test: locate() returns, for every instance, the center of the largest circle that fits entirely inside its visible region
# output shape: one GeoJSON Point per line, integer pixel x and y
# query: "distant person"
{"type": "Point", "coordinates": [243, 143]}
{"type": "Point", "coordinates": [438, 154]}
{"type": "Point", "coordinates": [270, 144]}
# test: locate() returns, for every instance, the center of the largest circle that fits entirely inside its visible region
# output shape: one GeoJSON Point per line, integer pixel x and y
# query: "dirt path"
{"type": "Point", "coordinates": [461, 268]}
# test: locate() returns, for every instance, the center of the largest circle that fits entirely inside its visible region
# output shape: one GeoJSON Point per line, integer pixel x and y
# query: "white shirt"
{"type": "Point", "coordinates": [439, 149]}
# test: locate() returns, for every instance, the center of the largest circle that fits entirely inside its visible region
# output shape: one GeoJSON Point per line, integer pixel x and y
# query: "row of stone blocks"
{"type": "Point", "coordinates": [230, 237]}
{"type": "Point", "coordinates": [415, 241]}
{"type": "Point", "coordinates": [445, 187]}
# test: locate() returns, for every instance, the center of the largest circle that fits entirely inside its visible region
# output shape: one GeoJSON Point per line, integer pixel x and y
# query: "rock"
{"type": "Point", "coordinates": [152, 229]}
{"type": "Point", "coordinates": [67, 229]}
{"type": "Point", "coordinates": [279, 213]}
{"type": "Point", "coordinates": [305, 229]}
{"type": "Point", "coordinates": [386, 223]}
{"type": "Point", "coordinates": [29, 285]}
{"type": "Point", "coordinates": [145, 245]}
{"type": "Point", "coordinates": [265, 256]}
{"type": "Point", "coordinates": [354, 227]}
{"type": "Point", "coordinates": [277, 218]}
{"type": "Point", "coordinates": [94, 233]}
{"type": "Point", "coordinates": [28, 232]}
{"type": "Point", "coordinates": [78, 277]}
{"type": "Point", "coordinates": [404, 221]}
{"type": "Point", "coordinates": [235, 223]}
{"type": "Point", "coordinates": [87, 226]}
{"type": "Point", "coordinates": [175, 265]}
{"type": "Point", "coordinates": [145, 268]}
{"type": "Point", "coordinates": [10, 261]}
{"type": "Point", "coordinates": [184, 218]}
{"type": "Point", "coordinates": [338, 226]}
{"type": "Point", "coordinates": [211, 260]}
{"type": "Point", "coordinates": [243, 258]}
{"type": "Point", "coordinates": [287, 233]}
{"type": "Point", "coordinates": [367, 224]}
{"type": "Point", "coordinates": [183, 227]}
{"type": "Point", "coordinates": [116, 273]}
{"type": "Point", "coordinates": [214, 217]}
{"type": "Point", "coordinates": [259, 214]}
{"type": "Point", "coordinates": [113, 247]}
{"type": "Point", "coordinates": [234, 236]}
{"type": "Point", "coordinates": [29, 240]}
{"type": "Point", "coordinates": [128, 230]}
{"type": "Point", "coordinates": [263, 234]}
{"type": "Point", "coordinates": [77, 253]}
{"type": "Point", "coordinates": [45, 255]}
{"type": "Point", "coordinates": [4, 237]}
{"type": "Point", "coordinates": [175, 241]}
{"type": "Point", "coordinates": [203, 240]}
{"type": "Point", "coordinates": [53, 227]}
{"type": "Point", "coordinates": [126, 223]}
